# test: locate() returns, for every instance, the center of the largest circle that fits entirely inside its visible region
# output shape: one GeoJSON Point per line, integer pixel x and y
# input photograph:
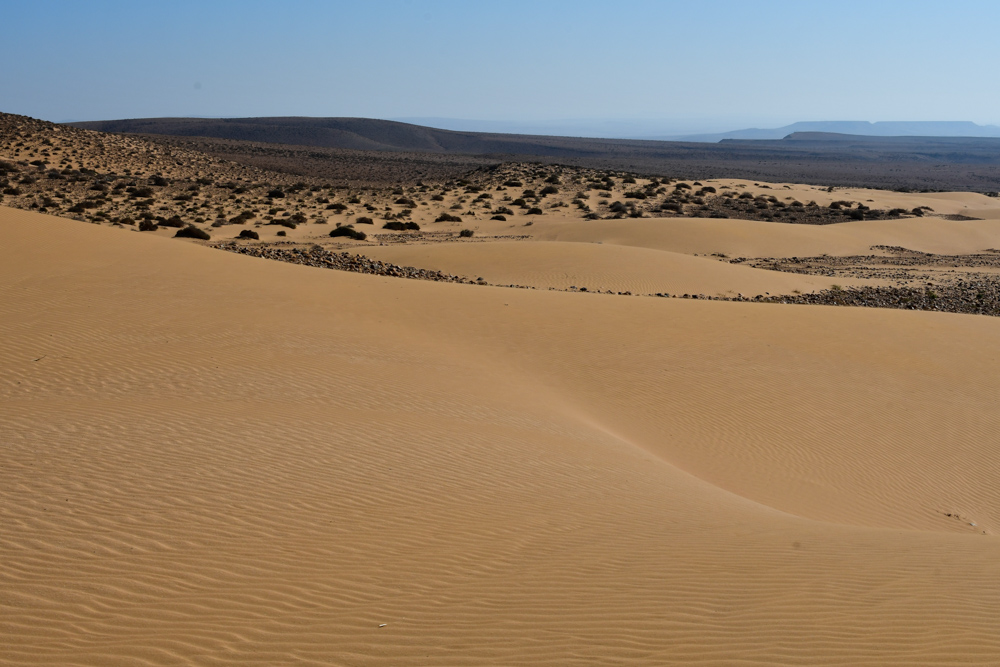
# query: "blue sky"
{"type": "Point", "coordinates": [688, 66]}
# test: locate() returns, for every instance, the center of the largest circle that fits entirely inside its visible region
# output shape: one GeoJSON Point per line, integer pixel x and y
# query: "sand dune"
{"type": "Point", "coordinates": [216, 459]}
{"type": "Point", "coordinates": [598, 267]}
{"type": "Point", "coordinates": [750, 238]}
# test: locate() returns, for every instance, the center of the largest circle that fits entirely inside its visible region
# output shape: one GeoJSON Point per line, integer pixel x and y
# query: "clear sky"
{"type": "Point", "coordinates": [698, 65]}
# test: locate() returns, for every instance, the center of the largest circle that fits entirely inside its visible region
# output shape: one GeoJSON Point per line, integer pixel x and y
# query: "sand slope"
{"type": "Point", "coordinates": [598, 267]}
{"type": "Point", "coordinates": [213, 459]}
{"type": "Point", "coordinates": [750, 238]}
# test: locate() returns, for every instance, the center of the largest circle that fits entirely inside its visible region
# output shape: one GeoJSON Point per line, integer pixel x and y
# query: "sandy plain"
{"type": "Point", "coordinates": [217, 459]}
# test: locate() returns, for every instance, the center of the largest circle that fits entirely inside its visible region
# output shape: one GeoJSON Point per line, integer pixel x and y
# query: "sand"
{"type": "Point", "coordinates": [599, 267]}
{"type": "Point", "coordinates": [213, 459]}
{"type": "Point", "coordinates": [751, 238]}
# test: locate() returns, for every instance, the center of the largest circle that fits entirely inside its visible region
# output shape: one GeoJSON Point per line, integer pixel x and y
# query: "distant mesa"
{"type": "Point", "coordinates": [857, 128]}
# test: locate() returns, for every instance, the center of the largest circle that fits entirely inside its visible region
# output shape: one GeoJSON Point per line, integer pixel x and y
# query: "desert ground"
{"type": "Point", "coordinates": [695, 428]}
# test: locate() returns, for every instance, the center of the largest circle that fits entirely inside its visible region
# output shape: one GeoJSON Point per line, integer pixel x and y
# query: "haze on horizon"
{"type": "Point", "coordinates": [639, 68]}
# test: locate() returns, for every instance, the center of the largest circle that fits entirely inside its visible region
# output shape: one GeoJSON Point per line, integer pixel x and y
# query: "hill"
{"type": "Point", "coordinates": [314, 146]}
{"type": "Point", "coordinates": [348, 133]}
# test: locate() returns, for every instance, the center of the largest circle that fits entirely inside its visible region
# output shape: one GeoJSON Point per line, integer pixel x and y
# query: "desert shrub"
{"type": "Point", "coordinates": [499, 217]}
{"type": "Point", "coordinates": [466, 233]}
{"type": "Point", "coordinates": [503, 210]}
{"type": "Point", "coordinates": [126, 221]}
{"type": "Point", "coordinates": [336, 207]}
{"type": "Point", "coordinates": [173, 221]}
{"type": "Point", "coordinates": [242, 218]}
{"type": "Point", "coordinates": [683, 186]}
{"type": "Point", "coordinates": [919, 212]}
{"type": "Point", "coordinates": [635, 194]}
{"type": "Point", "coordinates": [554, 179]}
{"type": "Point", "coordinates": [298, 218]}
{"type": "Point", "coordinates": [409, 203]}
{"type": "Point", "coordinates": [672, 206]}
{"type": "Point", "coordinates": [897, 211]}
{"type": "Point", "coordinates": [513, 183]}
{"type": "Point", "coordinates": [281, 233]}
{"type": "Point", "coordinates": [158, 181]}
{"type": "Point", "coordinates": [148, 226]}
{"type": "Point", "coordinates": [192, 232]}
{"type": "Point", "coordinates": [447, 217]}
{"type": "Point", "coordinates": [534, 211]}
{"type": "Point", "coordinates": [437, 198]}
{"type": "Point", "coordinates": [617, 207]}
{"type": "Point", "coordinates": [529, 194]}
{"type": "Point", "coordinates": [485, 195]}
{"type": "Point", "coordinates": [549, 190]}
{"type": "Point", "coordinates": [249, 234]}
{"type": "Point", "coordinates": [520, 202]}
{"type": "Point", "coordinates": [349, 232]}
{"type": "Point", "coordinates": [353, 200]}
{"type": "Point", "coordinates": [400, 226]}
{"type": "Point", "coordinates": [276, 194]}
{"type": "Point", "coordinates": [11, 191]}
{"type": "Point", "coordinates": [364, 220]}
